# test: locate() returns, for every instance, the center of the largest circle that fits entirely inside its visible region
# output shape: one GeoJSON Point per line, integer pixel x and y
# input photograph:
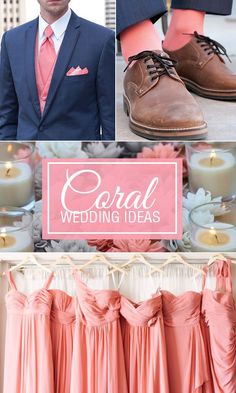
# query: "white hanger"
{"type": "Point", "coordinates": [143, 260]}
{"type": "Point", "coordinates": [100, 258]}
{"type": "Point", "coordinates": [176, 257]}
{"type": "Point", "coordinates": [219, 257]}
{"type": "Point", "coordinates": [64, 259]}
{"type": "Point", "coordinates": [28, 259]}
{"type": "Point", "coordinates": [140, 258]}
{"type": "Point", "coordinates": [104, 260]}
{"type": "Point", "coordinates": [216, 257]}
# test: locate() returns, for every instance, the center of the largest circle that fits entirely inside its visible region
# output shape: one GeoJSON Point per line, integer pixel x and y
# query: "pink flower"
{"type": "Point", "coordinates": [23, 154]}
{"type": "Point", "coordinates": [159, 151]}
{"type": "Point", "coordinates": [185, 165]}
{"type": "Point", "coordinates": [136, 245]}
{"type": "Point", "coordinates": [202, 146]}
{"type": "Point", "coordinates": [101, 245]}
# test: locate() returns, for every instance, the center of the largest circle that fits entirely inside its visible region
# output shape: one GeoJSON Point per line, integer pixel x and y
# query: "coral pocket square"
{"type": "Point", "coordinates": [77, 71]}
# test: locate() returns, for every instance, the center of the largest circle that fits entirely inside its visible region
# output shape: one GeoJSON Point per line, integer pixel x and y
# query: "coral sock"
{"type": "Point", "coordinates": [138, 38]}
{"type": "Point", "coordinates": [183, 21]}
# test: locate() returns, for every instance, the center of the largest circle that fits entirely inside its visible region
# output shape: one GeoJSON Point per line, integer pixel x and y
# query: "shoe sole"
{"type": "Point", "coordinates": [191, 133]}
{"type": "Point", "coordinates": [201, 91]}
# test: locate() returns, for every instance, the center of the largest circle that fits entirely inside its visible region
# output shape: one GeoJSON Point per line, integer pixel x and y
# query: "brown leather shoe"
{"type": "Point", "coordinates": [202, 68]}
{"type": "Point", "coordinates": [157, 102]}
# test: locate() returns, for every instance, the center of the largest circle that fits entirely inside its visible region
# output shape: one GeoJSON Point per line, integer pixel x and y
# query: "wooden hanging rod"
{"type": "Point", "coordinates": [81, 258]}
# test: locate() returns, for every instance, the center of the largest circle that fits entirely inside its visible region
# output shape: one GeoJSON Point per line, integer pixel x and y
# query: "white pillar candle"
{"type": "Point", "coordinates": [16, 184]}
{"type": "Point", "coordinates": [219, 237]}
{"type": "Point", "coordinates": [214, 171]}
{"type": "Point", "coordinates": [16, 241]}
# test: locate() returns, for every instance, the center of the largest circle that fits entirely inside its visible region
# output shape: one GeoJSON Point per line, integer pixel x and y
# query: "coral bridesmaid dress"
{"type": "Point", "coordinates": [219, 311]}
{"type": "Point", "coordinates": [28, 352]}
{"type": "Point", "coordinates": [62, 332]}
{"type": "Point", "coordinates": [144, 345]}
{"type": "Point", "coordinates": [98, 358]}
{"type": "Point", "coordinates": [187, 356]}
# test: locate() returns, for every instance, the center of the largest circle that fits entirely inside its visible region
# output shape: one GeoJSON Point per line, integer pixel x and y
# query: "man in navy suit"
{"type": "Point", "coordinates": [57, 78]}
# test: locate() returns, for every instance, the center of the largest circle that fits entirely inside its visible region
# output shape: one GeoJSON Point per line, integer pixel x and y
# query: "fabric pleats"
{"type": "Point", "coordinates": [28, 352]}
{"type": "Point", "coordinates": [99, 341]}
{"type": "Point", "coordinates": [98, 366]}
{"type": "Point", "coordinates": [144, 346]}
{"type": "Point", "coordinates": [186, 351]}
{"type": "Point", "coordinates": [218, 308]}
{"type": "Point", "coordinates": [62, 333]}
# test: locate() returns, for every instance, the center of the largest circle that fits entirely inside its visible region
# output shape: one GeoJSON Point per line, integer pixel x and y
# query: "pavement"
{"type": "Point", "coordinates": [220, 115]}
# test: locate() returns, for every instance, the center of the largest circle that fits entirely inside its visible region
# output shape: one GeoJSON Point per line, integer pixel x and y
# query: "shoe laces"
{"type": "Point", "coordinates": [162, 65]}
{"type": "Point", "coordinates": [210, 46]}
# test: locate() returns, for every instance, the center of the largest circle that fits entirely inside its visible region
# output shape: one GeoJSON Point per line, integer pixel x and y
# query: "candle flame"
{"type": "Point", "coordinates": [3, 236]}
{"type": "Point", "coordinates": [9, 148]}
{"type": "Point", "coordinates": [213, 233]}
{"type": "Point", "coordinates": [212, 156]}
{"type": "Point", "coordinates": [8, 168]}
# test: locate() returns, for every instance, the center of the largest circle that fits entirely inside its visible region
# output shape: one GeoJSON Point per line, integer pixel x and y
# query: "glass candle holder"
{"type": "Point", "coordinates": [16, 230]}
{"type": "Point", "coordinates": [213, 227]}
{"type": "Point", "coordinates": [17, 175]}
{"type": "Point", "coordinates": [211, 167]}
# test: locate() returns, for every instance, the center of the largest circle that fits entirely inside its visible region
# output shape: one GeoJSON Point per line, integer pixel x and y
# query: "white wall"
{"type": "Point", "coordinates": [93, 10]}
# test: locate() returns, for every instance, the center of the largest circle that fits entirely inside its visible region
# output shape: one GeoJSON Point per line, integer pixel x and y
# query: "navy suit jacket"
{"type": "Point", "coordinates": [78, 107]}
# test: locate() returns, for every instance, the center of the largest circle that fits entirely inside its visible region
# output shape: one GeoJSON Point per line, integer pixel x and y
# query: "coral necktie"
{"type": "Point", "coordinates": [46, 63]}
{"type": "Point", "coordinates": [47, 55]}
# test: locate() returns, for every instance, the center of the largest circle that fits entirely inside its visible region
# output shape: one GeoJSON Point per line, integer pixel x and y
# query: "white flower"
{"type": "Point", "coordinates": [37, 222]}
{"type": "Point", "coordinates": [203, 216]}
{"type": "Point", "coordinates": [37, 227]}
{"type": "Point", "coordinates": [220, 209]}
{"type": "Point", "coordinates": [184, 245]}
{"type": "Point", "coordinates": [101, 150]}
{"type": "Point", "coordinates": [185, 215]}
{"type": "Point", "coordinates": [61, 149]}
{"type": "Point", "coordinates": [25, 222]}
{"type": "Point", "coordinates": [200, 198]}
{"type": "Point", "coordinates": [38, 207]}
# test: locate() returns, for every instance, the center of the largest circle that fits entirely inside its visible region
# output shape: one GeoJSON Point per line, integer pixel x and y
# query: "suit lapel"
{"type": "Point", "coordinates": [31, 34]}
{"type": "Point", "coordinates": [64, 56]}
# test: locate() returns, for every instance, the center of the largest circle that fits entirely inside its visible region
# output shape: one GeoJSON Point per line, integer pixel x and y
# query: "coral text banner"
{"type": "Point", "coordinates": [112, 199]}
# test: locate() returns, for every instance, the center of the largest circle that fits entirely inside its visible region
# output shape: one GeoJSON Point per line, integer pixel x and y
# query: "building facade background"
{"type": "Point", "coordinates": [16, 12]}
{"type": "Point", "coordinates": [12, 13]}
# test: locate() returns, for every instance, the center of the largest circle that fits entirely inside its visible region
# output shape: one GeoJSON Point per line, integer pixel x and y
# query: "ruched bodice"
{"type": "Point", "coordinates": [219, 307]}
{"type": "Point", "coordinates": [98, 366]}
{"type": "Point", "coordinates": [62, 334]}
{"type": "Point", "coordinates": [63, 307]}
{"type": "Point", "coordinates": [28, 352]}
{"type": "Point", "coordinates": [38, 302]}
{"type": "Point", "coordinates": [96, 307]}
{"type": "Point", "coordinates": [181, 310]}
{"type": "Point", "coordinates": [144, 345]}
{"type": "Point", "coordinates": [141, 314]}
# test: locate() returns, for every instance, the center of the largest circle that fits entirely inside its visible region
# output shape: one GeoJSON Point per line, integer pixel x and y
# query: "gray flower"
{"type": "Point", "coordinates": [69, 246]}
{"type": "Point", "coordinates": [100, 150]}
{"type": "Point", "coordinates": [38, 182]}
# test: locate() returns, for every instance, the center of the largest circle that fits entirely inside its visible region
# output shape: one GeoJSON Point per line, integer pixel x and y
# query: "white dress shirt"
{"type": "Point", "coordinates": [59, 27]}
